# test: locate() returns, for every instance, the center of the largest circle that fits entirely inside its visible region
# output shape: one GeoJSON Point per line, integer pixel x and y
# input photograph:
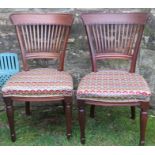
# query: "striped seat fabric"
{"type": "Point", "coordinates": [111, 85]}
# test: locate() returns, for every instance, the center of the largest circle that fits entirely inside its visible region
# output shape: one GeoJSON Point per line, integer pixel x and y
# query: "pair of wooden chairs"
{"type": "Point", "coordinates": [110, 36]}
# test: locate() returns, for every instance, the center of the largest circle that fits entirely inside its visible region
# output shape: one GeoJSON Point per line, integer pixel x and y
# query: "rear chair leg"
{"type": "Point", "coordinates": [143, 121]}
{"type": "Point", "coordinates": [27, 108]}
{"type": "Point", "coordinates": [63, 104]}
{"type": "Point", "coordinates": [133, 113]}
{"type": "Point", "coordinates": [92, 111]}
{"type": "Point", "coordinates": [68, 113]}
{"type": "Point", "coordinates": [10, 114]}
{"type": "Point", "coordinates": [81, 109]}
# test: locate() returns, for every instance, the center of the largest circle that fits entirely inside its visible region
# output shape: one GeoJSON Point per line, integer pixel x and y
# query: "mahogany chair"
{"type": "Point", "coordinates": [114, 36]}
{"type": "Point", "coordinates": [41, 36]}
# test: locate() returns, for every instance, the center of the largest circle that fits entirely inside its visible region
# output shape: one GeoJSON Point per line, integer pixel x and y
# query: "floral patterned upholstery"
{"type": "Point", "coordinates": [42, 82]}
{"type": "Point", "coordinates": [111, 85]}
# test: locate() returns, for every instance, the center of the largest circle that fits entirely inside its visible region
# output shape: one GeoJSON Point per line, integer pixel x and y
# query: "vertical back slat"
{"type": "Point", "coordinates": [31, 38]}
{"type": "Point", "coordinates": [52, 37]}
{"type": "Point", "coordinates": [41, 39]}
{"type": "Point", "coordinates": [58, 38]}
{"type": "Point", "coordinates": [115, 36]}
{"type": "Point", "coordinates": [38, 37]}
{"type": "Point", "coordinates": [102, 38]}
{"type": "Point", "coordinates": [24, 37]}
{"type": "Point", "coordinates": [126, 37]}
{"type": "Point", "coordinates": [16, 63]}
{"type": "Point", "coordinates": [62, 37]}
{"type": "Point", "coordinates": [123, 37]}
{"type": "Point", "coordinates": [3, 61]}
{"type": "Point", "coordinates": [27, 37]}
{"type": "Point", "coordinates": [55, 38]}
{"type": "Point", "coordinates": [48, 38]}
{"type": "Point", "coordinates": [9, 64]}
{"type": "Point", "coordinates": [34, 37]}
{"type": "Point", "coordinates": [104, 35]}
{"type": "Point", "coordinates": [45, 38]}
{"type": "Point", "coordinates": [12, 62]}
{"type": "Point", "coordinates": [98, 38]}
{"type": "Point", "coordinates": [6, 63]}
{"type": "Point", "coordinates": [108, 37]}
{"type": "Point", "coordinates": [112, 37]}
{"type": "Point", "coordinates": [119, 35]}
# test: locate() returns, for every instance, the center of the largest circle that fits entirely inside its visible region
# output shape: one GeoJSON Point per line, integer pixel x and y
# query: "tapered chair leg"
{"type": "Point", "coordinates": [10, 114]}
{"type": "Point", "coordinates": [133, 112]}
{"type": "Point", "coordinates": [92, 111]}
{"type": "Point", "coordinates": [27, 108]}
{"type": "Point", "coordinates": [68, 113]}
{"type": "Point", "coordinates": [143, 121]}
{"type": "Point", "coordinates": [81, 110]}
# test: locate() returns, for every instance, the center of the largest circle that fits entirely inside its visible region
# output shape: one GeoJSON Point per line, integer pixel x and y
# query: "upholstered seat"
{"type": "Point", "coordinates": [41, 82]}
{"type": "Point", "coordinates": [111, 85]}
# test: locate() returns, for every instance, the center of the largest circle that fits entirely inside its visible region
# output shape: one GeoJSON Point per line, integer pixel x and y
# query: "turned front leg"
{"type": "Point", "coordinates": [143, 121]}
{"type": "Point", "coordinates": [10, 114]}
{"type": "Point", "coordinates": [81, 109]}
{"type": "Point", "coordinates": [68, 113]}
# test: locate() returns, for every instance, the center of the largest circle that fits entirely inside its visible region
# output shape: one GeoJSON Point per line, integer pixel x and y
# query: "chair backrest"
{"type": "Point", "coordinates": [114, 36]}
{"type": "Point", "coordinates": [42, 36]}
{"type": "Point", "coordinates": [9, 63]}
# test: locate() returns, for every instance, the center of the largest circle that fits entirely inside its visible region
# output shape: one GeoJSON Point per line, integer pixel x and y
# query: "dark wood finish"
{"type": "Point", "coordinates": [81, 111]}
{"type": "Point", "coordinates": [143, 121]}
{"type": "Point", "coordinates": [63, 104]}
{"type": "Point", "coordinates": [114, 36]}
{"type": "Point", "coordinates": [92, 111]}
{"type": "Point", "coordinates": [10, 114]}
{"type": "Point", "coordinates": [68, 113]}
{"type": "Point", "coordinates": [27, 108]}
{"type": "Point", "coordinates": [41, 18]}
{"type": "Point", "coordinates": [41, 36]}
{"type": "Point", "coordinates": [133, 113]}
{"type": "Point", "coordinates": [115, 18]}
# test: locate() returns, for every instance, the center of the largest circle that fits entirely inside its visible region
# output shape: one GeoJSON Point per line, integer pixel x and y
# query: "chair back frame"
{"type": "Point", "coordinates": [114, 36]}
{"type": "Point", "coordinates": [42, 36]}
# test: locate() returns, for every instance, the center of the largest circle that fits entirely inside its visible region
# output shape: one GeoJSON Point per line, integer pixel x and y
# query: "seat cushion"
{"type": "Point", "coordinates": [111, 85]}
{"type": "Point", "coordinates": [41, 82]}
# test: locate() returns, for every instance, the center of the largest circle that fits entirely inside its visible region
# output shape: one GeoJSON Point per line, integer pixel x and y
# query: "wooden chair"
{"type": "Point", "coordinates": [41, 36]}
{"type": "Point", "coordinates": [114, 36]}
